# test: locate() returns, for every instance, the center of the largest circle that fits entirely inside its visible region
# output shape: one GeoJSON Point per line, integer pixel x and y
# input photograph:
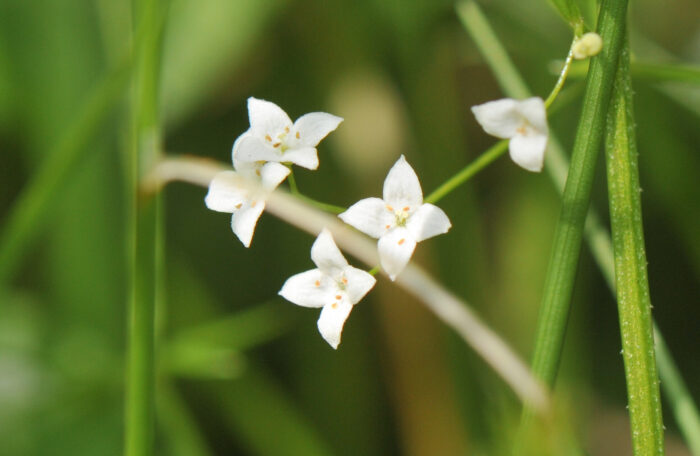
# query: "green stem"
{"type": "Point", "coordinates": [633, 301]}
{"type": "Point", "coordinates": [568, 235]}
{"type": "Point", "coordinates": [467, 172]}
{"type": "Point", "coordinates": [145, 235]}
{"type": "Point", "coordinates": [598, 238]}
{"type": "Point", "coordinates": [292, 182]}
{"type": "Point", "coordinates": [562, 76]}
{"type": "Point", "coordinates": [375, 270]}
{"type": "Point", "coordinates": [24, 220]}
{"type": "Point", "coordinates": [331, 208]}
{"type": "Point", "coordinates": [653, 72]}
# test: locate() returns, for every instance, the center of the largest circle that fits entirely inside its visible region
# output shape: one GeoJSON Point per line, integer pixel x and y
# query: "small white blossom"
{"type": "Point", "coordinates": [400, 220]}
{"type": "Point", "coordinates": [524, 122]}
{"type": "Point", "coordinates": [588, 45]}
{"type": "Point", "coordinates": [225, 195]}
{"type": "Point", "coordinates": [334, 285]}
{"type": "Point", "coordinates": [273, 137]}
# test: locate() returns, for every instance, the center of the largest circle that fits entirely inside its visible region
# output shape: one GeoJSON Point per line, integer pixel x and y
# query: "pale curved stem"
{"type": "Point", "coordinates": [453, 311]}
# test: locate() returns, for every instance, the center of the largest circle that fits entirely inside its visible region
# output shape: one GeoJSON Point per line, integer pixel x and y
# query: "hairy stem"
{"type": "Point", "coordinates": [633, 301]}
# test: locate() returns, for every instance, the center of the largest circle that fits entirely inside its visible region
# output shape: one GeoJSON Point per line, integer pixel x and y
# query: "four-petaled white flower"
{"type": "Point", "coordinates": [226, 194]}
{"type": "Point", "coordinates": [334, 285]}
{"type": "Point", "coordinates": [523, 122]}
{"type": "Point", "coordinates": [400, 220]}
{"type": "Point", "coordinates": [273, 137]}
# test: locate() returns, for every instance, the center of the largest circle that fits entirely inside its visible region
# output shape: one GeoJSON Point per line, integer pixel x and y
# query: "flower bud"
{"type": "Point", "coordinates": [588, 45]}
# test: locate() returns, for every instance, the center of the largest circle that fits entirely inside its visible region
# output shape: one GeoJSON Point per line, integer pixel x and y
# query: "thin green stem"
{"type": "Point", "coordinates": [24, 220]}
{"type": "Point", "coordinates": [633, 301]}
{"type": "Point", "coordinates": [562, 76]}
{"type": "Point", "coordinates": [145, 235]}
{"type": "Point", "coordinates": [292, 182]}
{"type": "Point", "coordinates": [331, 208]}
{"type": "Point", "coordinates": [599, 242]}
{"type": "Point", "coordinates": [375, 270]}
{"type": "Point", "coordinates": [468, 171]}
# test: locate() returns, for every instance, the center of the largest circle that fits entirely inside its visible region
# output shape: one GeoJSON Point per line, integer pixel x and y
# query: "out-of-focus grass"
{"type": "Point", "coordinates": [62, 331]}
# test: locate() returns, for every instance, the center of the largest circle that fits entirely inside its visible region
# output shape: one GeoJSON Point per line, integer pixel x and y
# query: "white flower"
{"type": "Point", "coordinates": [227, 195]}
{"type": "Point", "coordinates": [400, 220]}
{"type": "Point", "coordinates": [334, 285]}
{"type": "Point", "coordinates": [523, 122]}
{"type": "Point", "coordinates": [273, 137]}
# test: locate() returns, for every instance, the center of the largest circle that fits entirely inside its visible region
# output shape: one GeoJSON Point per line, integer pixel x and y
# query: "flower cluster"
{"type": "Point", "coordinates": [399, 220]}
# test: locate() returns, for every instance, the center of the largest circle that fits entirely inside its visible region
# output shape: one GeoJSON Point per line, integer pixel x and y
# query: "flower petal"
{"type": "Point", "coordinates": [500, 118]}
{"type": "Point", "coordinates": [395, 250]}
{"type": "Point", "coordinates": [244, 220]}
{"type": "Point", "coordinates": [266, 118]}
{"type": "Point", "coordinates": [306, 157]}
{"type": "Point", "coordinates": [272, 174]}
{"type": "Point", "coordinates": [309, 289]}
{"type": "Point", "coordinates": [428, 221]}
{"type": "Point", "coordinates": [369, 215]}
{"type": "Point", "coordinates": [401, 186]}
{"type": "Point", "coordinates": [332, 319]}
{"type": "Point", "coordinates": [252, 149]}
{"type": "Point", "coordinates": [359, 283]}
{"type": "Point", "coordinates": [534, 111]}
{"type": "Point", "coordinates": [528, 151]}
{"type": "Point", "coordinates": [313, 127]}
{"type": "Point", "coordinates": [327, 256]}
{"type": "Point", "coordinates": [224, 195]}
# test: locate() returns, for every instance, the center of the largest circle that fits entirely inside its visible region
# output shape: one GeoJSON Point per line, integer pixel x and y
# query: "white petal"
{"type": "Point", "coordinates": [313, 127]}
{"type": "Point", "coordinates": [223, 195]}
{"type": "Point", "coordinates": [244, 220]}
{"type": "Point", "coordinates": [500, 118]}
{"type": "Point", "coordinates": [395, 250]}
{"type": "Point", "coordinates": [327, 256]}
{"type": "Point", "coordinates": [428, 221]}
{"type": "Point", "coordinates": [237, 145]}
{"type": "Point", "coordinates": [306, 157]}
{"type": "Point", "coordinates": [272, 174]}
{"type": "Point", "coordinates": [359, 283]}
{"type": "Point", "coordinates": [250, 149]}
{"type": "Point", "coordinates": [370, 216]}
{"type": "Point", "coordinates": [332, 319]}
{"type": "Point", "coordinates": [266, 118]}
{"type": "Point", "coordinates": [309, 289]}
{"type": "Point", "coordinates": [401, 186]}
{"type": "Point", "coordinates": [528, 151]}
{"type": "Point", "coordinates": [534, 111]}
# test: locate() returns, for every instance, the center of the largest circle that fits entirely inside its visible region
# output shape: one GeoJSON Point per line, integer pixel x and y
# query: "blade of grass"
{"type": "Point", "coordinates": [652, 71]}
{"type": "Point", "coordinates": [598, 238]}
{"type": "Point", "coordinates": [24, 220]}
{"type": "Point", "coordinates": [145, 228]}
{"type": "Point", "coordinates": [633, 301]}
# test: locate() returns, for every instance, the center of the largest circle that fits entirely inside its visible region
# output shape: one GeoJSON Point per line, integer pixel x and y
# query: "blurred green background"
{"type": "Point", "coordinates": [240, 370]}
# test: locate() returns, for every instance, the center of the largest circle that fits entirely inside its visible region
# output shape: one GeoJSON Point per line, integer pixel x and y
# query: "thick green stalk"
{"type": "Point", "coordinates": [633, 301]}
{"type": "Point", "coordinates": [24, 219]}
{"type": "Point", "coordinates": [145, 233]}
{"type": "Point", "coordinates": [599, 242]}
{"type": "Point", "coordinates": [561, 273]}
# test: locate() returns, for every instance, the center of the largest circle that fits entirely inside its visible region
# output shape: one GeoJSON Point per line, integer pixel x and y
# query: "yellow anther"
{"type": "Point", "coordinates": [338, 297]}
{"type": "Point", "coordinates": [318, 283]}
{"type": "Point", "coordinates": [334, 305]}
{"type": "Point", "coordinates": [257, 171]}
{"type": "Point", "coordinates": [277, 144]}
{"type": "Point", "coordinates": [345, 280]}
{"type": "Point", "coordinates": [401, 241]}
{"type": "Point", "coordinates": [406, 209]}
{"type": "Point", "coordinates": [286, 129]}
{"type": "Point", "coordinates": [387, 227]}
{"type": "Point", "coordinates": [298, 135]}
{"type": "Point", "coordinates": [268, 138]}
{"type": "Point", "coordinates": [389, 208]}
{"type": "Point", "coordinates": [238, 206]}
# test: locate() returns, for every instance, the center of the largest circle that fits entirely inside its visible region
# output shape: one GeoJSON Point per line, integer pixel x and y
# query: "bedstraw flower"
{"type": "Point", "coordinates": [226, 194]}
{"type": "Point", "coordinates": [399, 220]}
{"type": "Point", "coordinates": [524, 122]}
{"type": "Point", "coordinates": [334, 285]}
{"type": "Point", "coordinates": [272, 135]}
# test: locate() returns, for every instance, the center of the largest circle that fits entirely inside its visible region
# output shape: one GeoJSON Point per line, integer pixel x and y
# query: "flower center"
{"type": "Point", "coordinates": [401, 215]}
{"type": "Point", "coordinates": [279, 141]}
